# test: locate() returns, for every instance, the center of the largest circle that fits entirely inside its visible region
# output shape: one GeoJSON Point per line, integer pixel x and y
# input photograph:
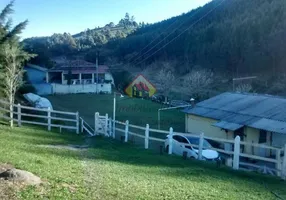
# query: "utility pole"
{"type": "Point", "coordinates": [97, 72]}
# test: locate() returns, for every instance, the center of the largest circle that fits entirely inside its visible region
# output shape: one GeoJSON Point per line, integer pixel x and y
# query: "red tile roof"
{"type": "Point", "coordinates": [79, 66]}
{"type": "Point", "coordinates": [141, 87]}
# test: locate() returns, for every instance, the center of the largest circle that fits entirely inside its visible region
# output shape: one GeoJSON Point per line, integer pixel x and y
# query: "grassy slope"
{"type": "Point", "coordinates": [60, 169]}
{"type": "Point", "coordinates": [111, 170]}
{"type": "Point", "coordinates": [137, 111]}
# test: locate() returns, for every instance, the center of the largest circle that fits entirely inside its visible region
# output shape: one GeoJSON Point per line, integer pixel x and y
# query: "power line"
{"type": "Point", "coordinates": [209, 12]}
{"type": "Point", "coordinates": [167, 36]}
{"type": "Point", "coordinates": [178, 19]}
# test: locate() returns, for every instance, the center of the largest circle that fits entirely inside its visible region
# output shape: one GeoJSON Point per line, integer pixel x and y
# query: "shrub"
{"type": "Point", "coordinates": [27, 88]}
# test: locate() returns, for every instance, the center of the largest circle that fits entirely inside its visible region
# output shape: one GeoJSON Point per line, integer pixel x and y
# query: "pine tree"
{"type": "Point", "coordinates": [12, 57]}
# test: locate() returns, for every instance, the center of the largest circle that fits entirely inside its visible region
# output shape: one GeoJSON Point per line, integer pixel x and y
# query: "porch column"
{"type": "Point", "coordinates": [47, 77]}
{"type": "Point", "coordinates": [92, 78]}
{"type": "Point", "coordinates": [63, 78]}
{"type": "Point", "coordinates": [79, 78]}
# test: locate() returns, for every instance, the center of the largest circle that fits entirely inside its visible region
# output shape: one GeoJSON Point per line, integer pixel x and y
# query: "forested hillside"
{"type": "Point", "coordinates": [229, 38]}
{"type": "Point", "coordinates": [240, 36]}
{"type": "Point", "coordinates": [72, 45]}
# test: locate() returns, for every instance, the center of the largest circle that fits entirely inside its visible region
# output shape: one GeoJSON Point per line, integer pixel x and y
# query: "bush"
{"type": "Point", "coordinates": [27, 88]}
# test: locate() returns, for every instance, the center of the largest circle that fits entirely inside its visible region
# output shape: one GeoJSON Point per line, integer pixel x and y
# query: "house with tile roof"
{"type": "Point", "coordinates": [79, 76]}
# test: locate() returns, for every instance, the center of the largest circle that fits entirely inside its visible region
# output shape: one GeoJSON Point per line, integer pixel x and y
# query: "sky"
{"type": "Point", "coordinates": [73, 16]}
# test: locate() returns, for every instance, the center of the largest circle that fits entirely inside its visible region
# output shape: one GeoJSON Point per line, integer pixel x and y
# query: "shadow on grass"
{"type": "Point", "coordinates": [116, 152]}
{"type": "Point", "coordinates": [40, 136]}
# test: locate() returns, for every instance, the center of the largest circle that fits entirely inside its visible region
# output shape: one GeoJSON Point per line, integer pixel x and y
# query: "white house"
{"type": "Point", "coordinates": [79, 76]}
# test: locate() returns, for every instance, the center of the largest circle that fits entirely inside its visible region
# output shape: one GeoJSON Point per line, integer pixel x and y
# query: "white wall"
{"type": "Point", "coordinates": [108, 77]}
{"type": "Point", "coordinates": [278, 140]}
{"type": "Point", "coordinates": [83, 88]}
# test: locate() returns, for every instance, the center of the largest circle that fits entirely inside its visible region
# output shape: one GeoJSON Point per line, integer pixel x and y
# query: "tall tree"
{"type": "Point", "coordinates": [166, 80]}
{"type": "Point", "coordinates": [12, 57]}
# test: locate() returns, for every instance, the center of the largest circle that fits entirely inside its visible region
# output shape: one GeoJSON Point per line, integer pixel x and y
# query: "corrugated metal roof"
{"type": "Point", "coordinates": [242, 108]}
{"type": "Point", "coordinates": [270, 125]}
{"type": "Point", "coordinates": [228, 125]}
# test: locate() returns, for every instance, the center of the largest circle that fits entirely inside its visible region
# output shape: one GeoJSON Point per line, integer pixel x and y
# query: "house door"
{"type": "Point", "coordinates": [240, 133]}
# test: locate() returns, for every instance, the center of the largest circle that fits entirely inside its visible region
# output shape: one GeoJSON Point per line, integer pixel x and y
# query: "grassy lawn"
{"type": "Point", "coordinates": [112, 170]}
{"type": "Point", "coordinates": [137, 111]}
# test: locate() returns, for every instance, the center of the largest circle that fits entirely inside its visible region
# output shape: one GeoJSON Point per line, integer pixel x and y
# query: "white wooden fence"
{"type": "Point", "coordinates": [235, 156]}
{"type": "Point", "coordinates": [104, 125]}
{"type": "Point", "coordinates": [43, 117]}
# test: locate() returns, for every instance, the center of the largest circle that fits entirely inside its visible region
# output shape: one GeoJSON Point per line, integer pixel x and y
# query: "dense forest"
{"type": "Point", "coordinates": [240, 36]}
{"type": "Point", "coordinates": [82, 43]}
{"type": "Point", "coordinates": [228, 37]}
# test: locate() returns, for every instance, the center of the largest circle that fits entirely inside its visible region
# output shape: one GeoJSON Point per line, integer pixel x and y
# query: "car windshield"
{"type": "Point", "coordinates": [196, 141]}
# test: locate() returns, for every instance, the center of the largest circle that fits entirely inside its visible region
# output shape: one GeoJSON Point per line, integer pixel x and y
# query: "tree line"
{"type": "Point", "coordinates": [68, 45]}
{"type": "Point", "coordinates": [239, 37]}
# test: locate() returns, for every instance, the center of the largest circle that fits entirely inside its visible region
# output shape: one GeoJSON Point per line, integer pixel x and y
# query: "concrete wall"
{"type": "Point", "coordinates": [43, 88]}
{"type": "Point", "coordinates": [109, 77]}
{"type": "Point", "coordinates": [76, 89]}
{"type": "Point", "coordinates": [278, 140]}
{"type": "Point", "coordinates": [35, 76]}
{"type": "Point", "coordinates": [196, 124]}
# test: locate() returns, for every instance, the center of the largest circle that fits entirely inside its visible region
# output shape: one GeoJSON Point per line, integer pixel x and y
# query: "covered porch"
{"type": "Point", "coordinates": [76, 78]}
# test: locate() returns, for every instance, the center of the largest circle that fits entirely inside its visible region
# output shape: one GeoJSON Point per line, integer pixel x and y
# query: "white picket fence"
{"type": "Point", "coordinates": [43, 117]}
{"type": "Point", "coordinates": [106, 126]}
{"type": "Point", "coordinates": [235, 156]}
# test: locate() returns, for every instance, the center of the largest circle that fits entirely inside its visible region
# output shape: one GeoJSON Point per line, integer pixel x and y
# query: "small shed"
{"type": "Point", "coordinates": [256, 118]}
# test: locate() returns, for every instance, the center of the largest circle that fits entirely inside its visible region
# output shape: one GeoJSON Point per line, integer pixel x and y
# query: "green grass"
{"type": "Point", "coordinates": [112, 170]}
{"type": "Point", "coordinates": [137, 111]}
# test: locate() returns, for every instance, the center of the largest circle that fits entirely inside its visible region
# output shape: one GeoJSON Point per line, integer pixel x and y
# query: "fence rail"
{"type": "Point", "coordinates": [106, 126]}
{"type": "Point", "coordinates": [43, 117]}
{"type": "Point", "coordinates": [235, 156]}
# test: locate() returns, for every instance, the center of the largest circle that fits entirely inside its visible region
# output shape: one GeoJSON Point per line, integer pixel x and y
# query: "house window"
{"type": "Point", "coordinates": [262, 136]}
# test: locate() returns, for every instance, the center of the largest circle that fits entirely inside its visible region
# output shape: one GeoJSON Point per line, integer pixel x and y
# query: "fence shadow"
{"type": "Point", "coordinates": [113, 151]}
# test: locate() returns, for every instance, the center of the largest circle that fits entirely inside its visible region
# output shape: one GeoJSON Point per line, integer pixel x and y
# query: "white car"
{"type": "Point", "coordinates": [178, 142]}
{"type": "Point", "coordinates": [37, 101]}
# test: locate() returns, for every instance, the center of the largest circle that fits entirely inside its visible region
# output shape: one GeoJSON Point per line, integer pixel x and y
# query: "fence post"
{"type": "Point", "coordinates": [283, 174]}
{"type": "Point", "coordinates": [147, 136]}
{"type": "Point", "coordinates": [171, 141]}
{"type": "Point", "coordinates": [201, 143]}
{"type": "Point", "coordinates": [19, 114]}
{"type": "Point", "coordinates": [278, 164]}
{"type": "Point", "coordinates": [49, 118]}
{"type": "Point", "coordinates": [77, 122]}
{"type": "Point", "coordinates": [96, 122]}
{"type": "Point", "coordinates": [126, 130]}
{"type": "Point", "coordinates": [81, 126]}
{"type": "Point", "coordinates": [110, 127]}
{"type": "Point", "coordinates": [114, 128]}
{"type": "Point", "coordinates": [106, 125]}
{"type": "Point", "coordinates": [236, 153]}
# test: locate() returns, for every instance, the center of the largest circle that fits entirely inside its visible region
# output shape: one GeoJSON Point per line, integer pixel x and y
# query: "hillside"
{"type": "Point", "coordinates": [240, 36]}
{"type": "Point", "coordinates": [72, 45]}
{"type": "Point", "coordinates": [230, 38]}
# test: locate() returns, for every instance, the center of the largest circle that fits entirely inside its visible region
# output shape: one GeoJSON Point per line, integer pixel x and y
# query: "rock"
{"type": "Point", "coordinates": [5, 167]}
{"type": "Point", "coordinates": [21, 176]}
